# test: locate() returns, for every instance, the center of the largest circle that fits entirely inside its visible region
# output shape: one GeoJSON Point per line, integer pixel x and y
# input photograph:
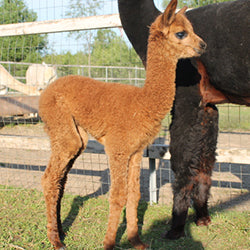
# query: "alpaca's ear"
{"type": "Point", "coordinates": [169, 14]}
{"type": "Point", "coordinates": [183, 10]}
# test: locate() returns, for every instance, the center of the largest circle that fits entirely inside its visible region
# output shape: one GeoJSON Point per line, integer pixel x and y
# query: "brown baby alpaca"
{"type": "Point", "coordinates": [125, 119]}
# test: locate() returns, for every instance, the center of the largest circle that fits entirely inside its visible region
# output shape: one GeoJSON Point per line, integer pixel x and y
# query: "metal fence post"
{"type": "Point", "coordinates": [106, 74]}
{"type": "Point", "coordinates": [152, 181]}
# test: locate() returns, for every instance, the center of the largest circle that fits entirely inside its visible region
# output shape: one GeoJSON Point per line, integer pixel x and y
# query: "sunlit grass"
{"type": "Point", "coordinates": [23, 224]}
{"type": "Point", "coordinates": [232, 118]}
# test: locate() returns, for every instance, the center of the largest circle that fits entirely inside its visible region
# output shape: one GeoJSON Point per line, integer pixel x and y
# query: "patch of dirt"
{"type": "Point", "coordinates": [24, 130]}
{"type": "Point", "coordinates": [91, 173]}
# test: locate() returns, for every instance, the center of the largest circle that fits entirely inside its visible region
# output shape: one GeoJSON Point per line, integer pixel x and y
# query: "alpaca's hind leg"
{"type": "Point", "coordinates": [53, 182]}
{"type": "Point", "coordinates": [66, 146]}
{"type": "Point", "coordinates": [133, 200]}
{"type": "Point", "coordinates": [84, 138]}
{"type": "Point", "coordinates": [118, 195]}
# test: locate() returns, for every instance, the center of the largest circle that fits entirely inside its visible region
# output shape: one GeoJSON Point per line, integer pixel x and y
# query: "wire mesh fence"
{"type": "Point", "coordinates": [104, 54]}
{"type": "Point", "coordinates": [122, 74]}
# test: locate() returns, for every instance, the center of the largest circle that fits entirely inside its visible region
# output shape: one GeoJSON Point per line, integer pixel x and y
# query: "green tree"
{"type": "Point", "coordinates": [28, 48]}
{"type": "Point", "coordinates": [193, 3]}
{"type": "Point", "coordinates": [79, 8]}
{"type": "Point", "coordinates": [110, 49]}
{"type": "Point", "coordinates": [102, 47]}
{"type": "Point", "coordinates": [79, 58]}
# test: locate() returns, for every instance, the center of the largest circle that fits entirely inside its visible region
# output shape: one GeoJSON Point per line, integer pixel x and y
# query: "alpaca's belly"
{"type": "Point", "coordinates": [123, 125]}
{"type": "Point", "coordinates": [134, 136]}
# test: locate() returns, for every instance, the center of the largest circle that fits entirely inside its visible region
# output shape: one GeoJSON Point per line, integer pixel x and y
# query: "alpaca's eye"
{"type": "Point", "coordinates": [181, 35]}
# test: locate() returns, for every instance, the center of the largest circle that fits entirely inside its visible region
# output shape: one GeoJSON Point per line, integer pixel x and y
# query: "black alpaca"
{"type": "Point", "coordinates": [194, 129]}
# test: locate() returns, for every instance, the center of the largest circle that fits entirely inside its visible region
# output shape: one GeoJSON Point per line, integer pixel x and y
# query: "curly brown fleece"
{"type": "Point", "coordinates": [124, 118]}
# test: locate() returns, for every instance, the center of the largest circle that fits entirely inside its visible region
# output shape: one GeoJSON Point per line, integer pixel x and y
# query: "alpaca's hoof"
{"type": "Point", "coordinates": [205, 221]}
{"type": "Point", "coordinates": [58, 245]}
{"type": "Point", "coordinates": [173, 234]}
{"type": "Point", "coordinates": [137, 243]}
{"type": "Point", "coordinates": [62, 247]}
{"type": "Point", "coordinates": [109, 247]}
{"type": "Point", "coordinates": [142, 246]}
{"type": "Point", "coordinates": [109, 243]}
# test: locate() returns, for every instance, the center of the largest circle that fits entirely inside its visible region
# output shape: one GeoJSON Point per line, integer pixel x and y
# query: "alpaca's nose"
{"type": "Point", "coordinates": [203, 45]}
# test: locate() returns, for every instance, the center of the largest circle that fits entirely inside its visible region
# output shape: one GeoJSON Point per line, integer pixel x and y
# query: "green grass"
{"type": "Point", "coordinates": [23, 224]}
{"type": "Point", "coordinates": [231, 118]}
{"type": "Point", "coordinates": [234, 117]}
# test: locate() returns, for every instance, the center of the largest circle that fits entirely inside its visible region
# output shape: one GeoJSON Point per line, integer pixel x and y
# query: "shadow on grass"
{"type": "Point", "coordinates": [142, 208]}
{"type": "Point", "coordinates": [74, 211]}
{"type": "Point", "coordinates": [79, 200]}
{"type": "Point", "coordinates": [152, 236]}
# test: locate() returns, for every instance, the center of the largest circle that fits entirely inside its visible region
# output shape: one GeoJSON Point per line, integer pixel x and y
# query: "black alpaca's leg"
{"type": "Point", "coordinates": [193, 134]}
{"type": "Point", "coordinates": [183, 143]}
{"type": "Point", "coordinates": [192, 160]}
{"type": "Point", "coordinates": [182, 190]}
{"type": "Point", "coordinates": [200, 199]}
{"type": "Point", "coordinates": [202, 182]}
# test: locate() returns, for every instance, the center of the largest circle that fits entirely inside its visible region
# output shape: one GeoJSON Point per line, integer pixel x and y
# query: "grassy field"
{"type": "Point", "coordinates": [232, 118]}
{"type": "Point", "coordinates": [23, 224]}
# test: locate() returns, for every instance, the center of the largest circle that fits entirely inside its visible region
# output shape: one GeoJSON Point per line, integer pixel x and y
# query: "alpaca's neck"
{"type": "Point", "coordinates": [159, 88]}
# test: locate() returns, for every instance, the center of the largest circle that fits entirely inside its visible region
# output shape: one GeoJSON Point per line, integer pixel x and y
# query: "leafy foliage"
{"type": "Point", "coordinates": [103, 47]}
{"type": "Point", "coordinates": [111, 49]}
{"type": "Point", "coordinates": [108, 49]}
{"type": "Point", "coordinates": [78, 9]}
{"type": "Point", "coordinates": [20, 48]}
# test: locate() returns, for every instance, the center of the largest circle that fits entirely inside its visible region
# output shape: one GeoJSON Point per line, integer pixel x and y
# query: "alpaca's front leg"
{"type": "Point", "coordinates": [201, 207]}
{"type": "Point", "coordinates": [207, 160]}
{"type": "Point", "coordinates": [200, 198]}
{"type": "Point", "coordinates": [117, 197]}
{"type": "Point", "coordinates": [133, 200]}
{"type": "Point", "coordinates": [182, 198]}
{"type": "Point", "coordinates": [193, 131]}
